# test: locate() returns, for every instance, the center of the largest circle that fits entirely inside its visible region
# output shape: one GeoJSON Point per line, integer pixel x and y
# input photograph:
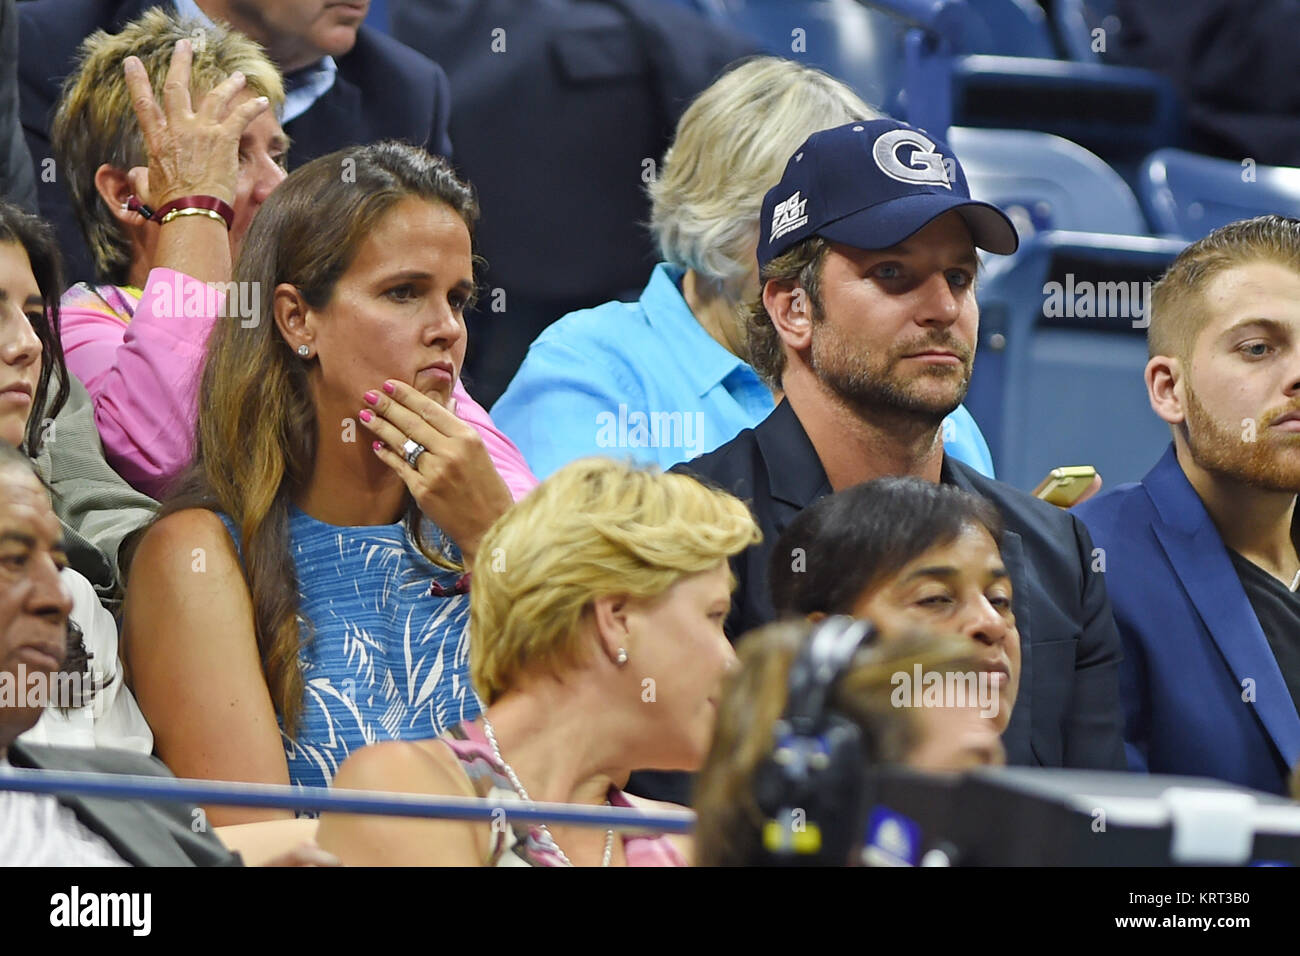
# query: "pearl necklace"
{"type": "Point", "coordinates": [523, 794]}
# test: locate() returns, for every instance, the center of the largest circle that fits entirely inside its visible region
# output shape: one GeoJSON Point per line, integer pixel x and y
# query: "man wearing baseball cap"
{"type": "Point", "coordinates": [867, 322]}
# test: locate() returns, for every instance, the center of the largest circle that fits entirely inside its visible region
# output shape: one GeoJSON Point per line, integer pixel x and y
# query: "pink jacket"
{"type": "Point", "coordinates": [140, 357]}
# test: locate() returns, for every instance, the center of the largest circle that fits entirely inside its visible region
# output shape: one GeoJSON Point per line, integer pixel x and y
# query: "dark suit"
{"type": "Point", "coordinates": [563, 112]}
{"type": "Point", "coordinates": [1067, 713]}
{"type": "Point", "coordinates": [17, 181]}
{"type": "Point", "coordinates": [143, 834]}
{"type": "Point", "coordinates": [383, 90]}
{"type": "Point", "coordinates": [1191, 640]}
{"type": "Point", "coordinates": [1233, 63]}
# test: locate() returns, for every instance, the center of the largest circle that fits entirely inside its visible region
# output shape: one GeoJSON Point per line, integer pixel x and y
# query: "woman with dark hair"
{"type": "Point", "coordinates": [168, 156]}
{"type": "Point", "coordinates": [33, 380]}
{"type": "Point", "coordinates": [31, 278]}
{"type": "Point", "coordinates": [305, 592]}
{"type": "Point", "coordinates": [905, 553]}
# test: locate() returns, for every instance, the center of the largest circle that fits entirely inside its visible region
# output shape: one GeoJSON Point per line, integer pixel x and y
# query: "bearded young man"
{"type": "Point", "coordinates": [1203, 554]}
{"type": "Point", "coordinates": [868, 321]}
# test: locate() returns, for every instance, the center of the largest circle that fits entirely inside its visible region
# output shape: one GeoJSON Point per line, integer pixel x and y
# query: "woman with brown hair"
{"type": "Point", "coordinates": [162, 115]}
{"type": "Point", "coordinates": [304, 594]}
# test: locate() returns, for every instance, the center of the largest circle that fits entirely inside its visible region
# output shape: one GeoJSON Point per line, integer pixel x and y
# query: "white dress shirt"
{"type": "Point", "coordinates": [37, 830]}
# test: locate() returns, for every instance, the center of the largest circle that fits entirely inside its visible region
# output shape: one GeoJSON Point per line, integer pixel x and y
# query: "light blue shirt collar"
{"type": "Point", "coordinates": [302, 88]}
{"type": "Point", "coordinates": [666, 310]}
{"type": "Point", "coordinates": [188, 9]}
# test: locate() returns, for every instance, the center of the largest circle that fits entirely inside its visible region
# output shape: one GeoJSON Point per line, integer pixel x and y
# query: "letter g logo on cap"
{"type": "Point", "coordinates": [926, 166]}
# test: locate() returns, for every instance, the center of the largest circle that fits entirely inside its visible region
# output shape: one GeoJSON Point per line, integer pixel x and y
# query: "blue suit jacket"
{"type": "Point", "coordinates": [1202, 692]}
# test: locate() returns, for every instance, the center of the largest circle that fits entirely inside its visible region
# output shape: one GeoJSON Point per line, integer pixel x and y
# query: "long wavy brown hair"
{"type": "Point", "coordinates": [255, 449]}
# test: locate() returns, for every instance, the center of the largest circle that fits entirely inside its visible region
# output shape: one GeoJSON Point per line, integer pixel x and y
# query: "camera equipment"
{"type": "Point", "coordinates": [810, 789]}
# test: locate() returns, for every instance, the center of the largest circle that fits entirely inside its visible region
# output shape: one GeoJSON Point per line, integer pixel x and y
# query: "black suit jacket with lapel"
{"type": "Point", "coordinates": [383, 90]}
{"type": "Point", "coordinates": [549, 126]}
{"type": "Point", "coordinates": [1068, 712]}
{"type": "Point", "coordinates": [143, 834]}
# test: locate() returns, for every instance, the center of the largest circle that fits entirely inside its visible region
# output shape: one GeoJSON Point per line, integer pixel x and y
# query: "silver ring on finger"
{"type": "Point", "coordinates": [411, 451]}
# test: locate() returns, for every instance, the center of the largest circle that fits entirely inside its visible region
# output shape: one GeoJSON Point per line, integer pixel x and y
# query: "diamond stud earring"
{"type": "Point", "coordinates": [304, 351]}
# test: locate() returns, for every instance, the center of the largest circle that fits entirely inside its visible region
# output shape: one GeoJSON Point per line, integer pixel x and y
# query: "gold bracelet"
{"type": "Point", "coordinates": [192, 211]}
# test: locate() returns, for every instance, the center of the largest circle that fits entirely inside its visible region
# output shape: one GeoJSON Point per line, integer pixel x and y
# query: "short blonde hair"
{"type": "Point", "coordinates": [1178, 308]}
{"type": "Point", "coordinates": [95, 124]}
{"type": "Point", "coordinates": [595, 528]}
{"type": "Point", "coordinates": [731, 146]}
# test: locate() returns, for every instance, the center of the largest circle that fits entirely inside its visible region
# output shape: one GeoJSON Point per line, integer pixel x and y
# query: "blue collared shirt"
{"type": "Point", "coordinates": [302, 87]}
{"type": "Point", "coordinates": [644, 380]}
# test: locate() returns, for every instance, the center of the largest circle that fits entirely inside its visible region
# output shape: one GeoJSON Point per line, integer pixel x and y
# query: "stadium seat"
{"type": "Point", "coordinates": [1074, 22]}
{"type": "Point", "coordinates": [988, 63]}
{"type": "Point", "coordinates": [862, 47]}
{"type": "Point", "coordinates": [1008, 28]}
{"type": "Point", "coordinates": [863, 41]}
{"type": "Point", "coordinates": [1188, 196]}
{"type": "Point", "coordinates": [1056, 384]}
{"type": "Point", "coordinates": [714, 9]}
{"type": "Point", "coordinates": [1120, 113]}
{"type": "Point", "coordinates": [1045, 182]}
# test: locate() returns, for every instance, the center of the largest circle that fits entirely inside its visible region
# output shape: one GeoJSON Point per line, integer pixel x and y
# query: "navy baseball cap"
{"type": "Point", "coordinates": [870, 185]}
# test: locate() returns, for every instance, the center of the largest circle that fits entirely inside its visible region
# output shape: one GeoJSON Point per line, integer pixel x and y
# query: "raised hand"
{"type": "Point", "coordinates": [192, 150]}
{"type": "Point", "coordinates": [453, 481]}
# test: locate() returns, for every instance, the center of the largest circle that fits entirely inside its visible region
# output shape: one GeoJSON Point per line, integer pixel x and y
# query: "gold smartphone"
{"type": "Point", "coordinates": [1064, 486]}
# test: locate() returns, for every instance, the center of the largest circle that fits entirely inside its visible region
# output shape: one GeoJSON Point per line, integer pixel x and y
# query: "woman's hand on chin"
{"type": "Point", "coordinates": [453, 480]}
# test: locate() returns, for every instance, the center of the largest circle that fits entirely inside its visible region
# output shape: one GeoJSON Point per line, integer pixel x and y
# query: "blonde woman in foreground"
{"type": "Point", "coordinates": [596, 611]}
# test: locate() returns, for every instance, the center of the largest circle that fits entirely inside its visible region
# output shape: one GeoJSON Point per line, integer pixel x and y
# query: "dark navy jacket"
{"type": "Point", "coordinates": [1067, 713]}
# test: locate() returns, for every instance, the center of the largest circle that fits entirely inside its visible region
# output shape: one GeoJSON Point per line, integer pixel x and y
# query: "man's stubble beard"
{"type": "Point", "coordinates": [1225, 452]}
{"type": "Point", "coordinates": [873, 392]}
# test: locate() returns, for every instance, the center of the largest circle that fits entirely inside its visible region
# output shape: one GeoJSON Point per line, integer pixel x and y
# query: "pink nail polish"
{"type": "Point", "coordinates": [377, 445]}
{"type": "Point", "coordinates": [365, 415]}
{"type": "Point", "coordinates": [371, 397]}
{"type": "Point", "coordinates": [389, 387]}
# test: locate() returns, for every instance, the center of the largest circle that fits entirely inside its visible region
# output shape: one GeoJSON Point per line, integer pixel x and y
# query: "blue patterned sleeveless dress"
{"type": "Point", "coordinates": [388, 656]}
